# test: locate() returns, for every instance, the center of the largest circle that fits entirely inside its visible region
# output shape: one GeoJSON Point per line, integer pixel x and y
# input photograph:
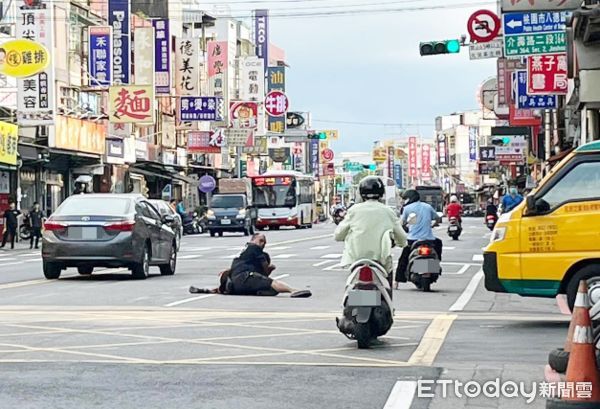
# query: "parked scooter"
{"type": "Point", "coordinates": [490, 221]}
{"type": "Point", "coordinates": [368, 308]}
{"type": "Point", "coordinates": [192, 225]}
{"type": "Point", "coordinates": [25, 230]}
{"type": "Point", "coordinates": [454, 228]}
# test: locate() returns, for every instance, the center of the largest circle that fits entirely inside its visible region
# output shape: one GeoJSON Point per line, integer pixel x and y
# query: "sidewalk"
{"type": "Point", "coordinates": [20, 247]}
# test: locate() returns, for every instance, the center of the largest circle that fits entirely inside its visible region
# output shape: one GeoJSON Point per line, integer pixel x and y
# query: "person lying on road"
{"type": "Point", "coordinates": [249, 274]}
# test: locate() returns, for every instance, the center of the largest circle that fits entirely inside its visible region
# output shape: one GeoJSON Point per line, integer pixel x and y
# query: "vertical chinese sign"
{"type": "Point", "coordinates": [162, 56]}
{"type": "Point", "coordinates": [9, 140]}
{"type": "Point", "coordinates": [412, 157]}
{"type": "Point", "coordinates": [547, 74]}
{"type": "Point", "coordinates": [276, 82]}
{"type": "Point", "coordinates": [442, 150]}
{"type": "Point", "coordinates": [217, 67]}
{"type": "Point", "coordinates": [131, 104]}
{"type": "Point", "coordinates": [261, 35]}
{"type": "Point", "coordinates": [252, 87]}
{"type": "Point", "coordinates": [100, 56]}
{"type": "Point", "coordinates": [390, 161]}
{"type": "Point", "coordinates": [314, 157]}
{"type": "Point", "coordinates": [119, 14]}
{"type": "Point", "coordinates": [425, 162]}
{"type": "Point", "coordinates": [187, 72]}
{"type": "Point", "coordinates": [472, 143]}
{"type": "Point", "coordinates": [36, 102]}
{"type": "Point", "coordinates": [144, 56]}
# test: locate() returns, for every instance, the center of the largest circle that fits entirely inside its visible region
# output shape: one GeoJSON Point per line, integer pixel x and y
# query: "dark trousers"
{"type": "Point", "coordinates": [401, 273]}
{"type": "Point", "coordinates": [11, 231]}
{"type": "Point", "coordinates": [36, 233]}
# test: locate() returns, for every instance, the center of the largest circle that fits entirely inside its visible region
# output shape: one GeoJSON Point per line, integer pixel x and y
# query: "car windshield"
{"type": "Point", "coordinates": [96, 206]}
{"type": "Point", "coordinates": [227, 202]}
{"type": "Point", "coordinates": [274, 196]}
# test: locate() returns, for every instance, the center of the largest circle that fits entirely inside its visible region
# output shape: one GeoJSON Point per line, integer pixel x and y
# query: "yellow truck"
{"type": "Point", "coordinates": [551, 241]}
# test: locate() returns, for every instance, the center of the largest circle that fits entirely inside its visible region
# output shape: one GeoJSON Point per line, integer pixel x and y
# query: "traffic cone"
{"type": "Point", "coordinates": [559, 358]}
{"type": "Point", "coordinates": [582, 372]}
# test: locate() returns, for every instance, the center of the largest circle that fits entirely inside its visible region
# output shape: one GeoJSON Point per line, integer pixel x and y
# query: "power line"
{"type": "Point", "coordinates": [330, 121]}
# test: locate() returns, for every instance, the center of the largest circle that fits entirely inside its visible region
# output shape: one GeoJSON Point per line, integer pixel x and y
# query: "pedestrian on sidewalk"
{"type": "Point", "coordinates": [11, 222]}
{"type": "Point", "coordinates": [36, 218]}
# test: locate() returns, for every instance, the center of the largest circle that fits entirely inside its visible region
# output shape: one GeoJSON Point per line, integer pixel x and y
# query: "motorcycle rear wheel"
{"type": "Point", "coordinates": [25, 233]}
{"type": "Point", "coordinates": [426, 285]}
{"type": "Point", "coordinates": [362, 333]}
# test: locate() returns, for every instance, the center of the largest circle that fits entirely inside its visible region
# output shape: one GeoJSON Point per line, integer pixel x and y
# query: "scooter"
{"type": "Point", "coordinates": [490, 221]}
{"type": "Point", "coordinates": [454, 229]}
{"type": "Point", "coordinates": [368, 308]}
{"type": "Point", "coordinates": [25, 230]}
{"type": "Point", "coordinates": [191, 225]}
{"type": "Point", "coordinates": [338, 215]}
{"type": "Point", "coordinates": [423, 265]}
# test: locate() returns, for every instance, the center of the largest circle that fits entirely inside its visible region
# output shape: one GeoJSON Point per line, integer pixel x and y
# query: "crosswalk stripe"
{"type": "Point", "coordinates": [449, 248]}
{"type": "Point", "coordinates": [333, 255]}
{"type": "Point", "coordinates": [279, 248]}
{"type": "Point", "coordinates": [477, 257]}
{"type": "Point", "coordinates": [284, 256]}
{"type": "Point", "coordinates": [189, 256]}
{"type": "Point", "coordinates": [322, 263]}
{"type": "Point", "coordinates": [334, 267]}
{"type": "Point", "coordinates": [231, 256]}
{"type": "Point", "coordinates": [320, 247]}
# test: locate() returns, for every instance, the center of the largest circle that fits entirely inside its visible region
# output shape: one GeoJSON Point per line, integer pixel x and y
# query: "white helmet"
{"type": "Point", "coordinates": [453, 199]}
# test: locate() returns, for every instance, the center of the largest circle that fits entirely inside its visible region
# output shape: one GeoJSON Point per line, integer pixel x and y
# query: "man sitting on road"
{"type": "Point", "coordinates": [249, 274]}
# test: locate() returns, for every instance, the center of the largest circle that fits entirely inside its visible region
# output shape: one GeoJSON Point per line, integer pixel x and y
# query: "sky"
{"type": "Point", "coordinates": [367, 67]}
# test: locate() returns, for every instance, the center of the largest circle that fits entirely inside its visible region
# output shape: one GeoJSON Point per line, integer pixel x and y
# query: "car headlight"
{"type": "Point", "coordinates": [210, 214]}
{"type": "Point", "coordinates": [241, 214]}
{"type": "Point", "coordinates": [498, 234]}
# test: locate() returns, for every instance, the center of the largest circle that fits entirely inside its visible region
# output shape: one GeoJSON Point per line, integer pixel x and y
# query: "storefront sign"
{"type": "Point", "coordinates": [100, 55]}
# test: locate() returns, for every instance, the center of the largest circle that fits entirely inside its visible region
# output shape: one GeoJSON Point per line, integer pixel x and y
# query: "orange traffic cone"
{"type": "Point", "coordinates": [583, 379]}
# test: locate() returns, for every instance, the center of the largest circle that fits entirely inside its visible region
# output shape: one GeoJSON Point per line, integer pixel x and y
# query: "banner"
{"type": "Point", "coordinates": [35, 94]}
{"type": "Point", "coordinates": [23, 58]}
{"type": "Point", "coordinates": [314, 157]}
{"type": "Point", "coordinates": [243, 115]}
{"type": "Point", "coordinates": [425, 162]}
{"type": "Point", "coordinates": [217, 66]}
{"type": "Point", "coordinates": [119, 16]}
{"type": "Point", "coordinates": [162, 56]}
{"type": "Point", "coordinates": [398, 175]}
{"type": "Point", "coordinates": [261, 35]}
{"type": "Point", "coordinates": [252, 77]}
{"type": "Point", "coordinates": [473, 143]}
{"type": "Point", "coordinates": [547, 74]}
{"type": "Point", "coordinates": [131, 104]}
{"type": "Point", "coordinates": [100, 56]}
{"type": "Point", "coordinates": [412, 156]}
{"type": "Point", "coordinates": [144, 56]}
{"type": "Point", "coordinates": [9, 142]}
{"type": "Point", "coordinates": [187, 76]}
{"type": "Point", "coordinates": [276, 82]}
{"type": "Point", "coordinates": [205, 142]}
{"type": "Point", "coordinates": [78, 135]}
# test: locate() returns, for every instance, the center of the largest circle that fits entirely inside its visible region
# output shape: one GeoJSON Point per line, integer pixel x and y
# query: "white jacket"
{"type": "Point", "coordinates": [366, 230]}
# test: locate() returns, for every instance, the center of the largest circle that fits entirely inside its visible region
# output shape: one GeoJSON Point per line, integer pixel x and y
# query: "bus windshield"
{"type": "Point", "coordinates": [274, 192]}
{"type": "Point", "coordinates": [433, 196]}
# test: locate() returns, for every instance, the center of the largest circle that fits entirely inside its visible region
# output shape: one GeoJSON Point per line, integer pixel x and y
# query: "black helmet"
{"type": "Point", "coordinates": [410, 196]}
{"type": "Point", "coordinates": [371, 187]}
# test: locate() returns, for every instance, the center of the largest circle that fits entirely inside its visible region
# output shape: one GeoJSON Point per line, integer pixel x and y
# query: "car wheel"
{"type": "Point", "coordinates": [212, 233]}
{"type": "Point", "coordinates": [169, 268]}
{"type": "Point", "coordinates": [85, 270]}
{"type": "Point", "coordinates": [51, 270]}
{"type": "Point", "coordinates": [590, 273]}
{"type": "Point", "coordinates": [140, 270]}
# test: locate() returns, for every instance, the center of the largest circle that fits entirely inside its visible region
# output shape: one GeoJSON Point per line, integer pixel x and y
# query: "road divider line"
{"type": "Point", "coordinates": [432, 340]}
{"type": "Point", "coordinates": [467, 294]}
{"type": "Point", "coordinates": [332, 256]}
{"type": "Point", "coordinates": [322, 263]}
{"type": "Point", "coordinates": [463, 269]}
{"type": "Point", "coordinates": [402, 395]}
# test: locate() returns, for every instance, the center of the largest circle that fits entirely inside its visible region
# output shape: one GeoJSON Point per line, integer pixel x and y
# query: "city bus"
{"type": "Point", "coordinates": [433, 195]}
{"type": "Point", "coordinates": [284, 198]}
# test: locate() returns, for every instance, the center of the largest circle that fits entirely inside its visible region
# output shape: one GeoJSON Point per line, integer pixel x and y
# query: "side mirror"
{"type": "Point", "coordinates": [530, 203]}
{"type": "Point", "coordinates": [168, 219]}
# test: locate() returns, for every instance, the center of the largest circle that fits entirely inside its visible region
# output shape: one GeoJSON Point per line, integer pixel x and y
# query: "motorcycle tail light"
{"type": "Point", "coordinates": [365, 274]}
{"type": "Point", "coordinates": [424, 251]}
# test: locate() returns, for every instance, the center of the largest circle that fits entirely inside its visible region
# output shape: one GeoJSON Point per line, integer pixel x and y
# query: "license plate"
{"type": "Point", "coordinates": [225, 221]}
{"type": "Point", "coordinates": [364, 298]}
{"type": "Point", "coordinates": [453, 228]}
{"type": "Point", "coordinates": [428, 265]}
{"type": "Point", "coordinates": [89, 233]}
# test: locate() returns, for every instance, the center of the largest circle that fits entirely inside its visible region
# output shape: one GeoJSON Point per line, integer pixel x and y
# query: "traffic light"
{"type": "Point", "coordinates": [440, 47]}
{"type": "Point", "coordinates": [501, 141]}
{"type": "Point", "coordinates": [317, 135]}
{"type": "Point", "coordinates": [370, 167]}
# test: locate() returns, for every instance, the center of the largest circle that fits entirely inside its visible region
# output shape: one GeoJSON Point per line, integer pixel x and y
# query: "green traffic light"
{"type": "Point", "coordinates": [322, 135]}
{"type": "Point", "coordinates": [506, 140]}
{"type": "Point", "coordinates": [453, 46]}
{"type": "Point", "coordinates": [372, 167]}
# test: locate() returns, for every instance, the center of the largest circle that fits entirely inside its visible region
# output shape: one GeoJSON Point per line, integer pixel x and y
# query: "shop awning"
{"type": "Point", "coordinates": [163, 174]}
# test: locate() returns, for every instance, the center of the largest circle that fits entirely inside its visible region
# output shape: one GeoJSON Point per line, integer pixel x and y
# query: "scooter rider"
{"type": "Point", "coordinates": [454, 209]}
{"type": "Point", "coordinates": [420, 231]}
{"type": "Point", "coordinates": [365, 226]}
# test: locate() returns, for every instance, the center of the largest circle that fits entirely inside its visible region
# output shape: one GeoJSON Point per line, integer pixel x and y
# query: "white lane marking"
{"type": "Point", "coordinates": [189, 256]}
{"type": "Point", "coordinates": [449, 248]}
{"type": "Point", "coordinates": [477, 257]}
{"type": "Point", "coordinates": [467, 294]}
{"type": "Point", "coordinates": [462, 270]}
{"type": "Point", "coordinates": [322, 263]}
{"type": "Point", "coordinates": [7, 259]}
{"type": "Point", "coordinates": [320, 247]}
{"type": "Point", "coordinates": [190, 249]}
{"type": "Point", "coordinates": [280, 276]}
{"type": "Point", "coordinates": [30, 254]}
{"type": "Point", "coordinates": [284, 256]}
{"type": "Point", "coordinates": [231, 255]}
{"type": "Point", "coordinates": [402, 395]}
{"type": "Point", "coordinates": [279, 248]}
{"type": "Point", "coordinates": [335, 267]}
{"type": "Point", "coordinates": [32, 260]}
{"type": "Point", "coordinates": [334, 255]}
{"type": "Point", "coordinates": [200, 297]}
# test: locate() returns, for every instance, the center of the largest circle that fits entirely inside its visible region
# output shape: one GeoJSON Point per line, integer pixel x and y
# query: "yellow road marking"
{"type": "Point", "coordinates": [432, 340]}
{"type": "Point", "coordinates": [23, 283]}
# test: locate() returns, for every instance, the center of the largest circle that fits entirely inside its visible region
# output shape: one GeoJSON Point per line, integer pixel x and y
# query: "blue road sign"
{"type": "Point", "coordinates": [524, 100]}
{"type": "Point", "coordinates": [534, 22]}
